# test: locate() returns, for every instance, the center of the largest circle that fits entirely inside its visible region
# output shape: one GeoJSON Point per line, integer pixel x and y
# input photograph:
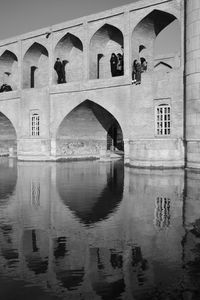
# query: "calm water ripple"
{"type": "Point", "coordinates": [97, 230]}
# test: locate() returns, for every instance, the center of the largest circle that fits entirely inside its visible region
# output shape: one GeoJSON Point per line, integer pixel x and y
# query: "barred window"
{"type": "Point", "coordinates": [35, 125]}
{"type": "Point", "coordinates": [163, 119]}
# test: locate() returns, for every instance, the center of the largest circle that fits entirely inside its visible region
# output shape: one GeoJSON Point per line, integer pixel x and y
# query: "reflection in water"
{"type": "Point", "coordinates": [35, 256]}
{"type": "Point", "coordinates": [92, 193]}
{"type": "Point", "coordinates": [8, 179]}
{"type": "Point", "coordinates": [142, 242]}
{"type": "Point", "coordinates": [162, 213]}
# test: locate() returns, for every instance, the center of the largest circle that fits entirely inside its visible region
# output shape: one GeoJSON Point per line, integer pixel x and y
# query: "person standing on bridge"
{"type": "Point", "coordinates": [58, 67]}
{"type": "Point", "coordinates": [120, 64]}
{"type": "Point", "coordinates": [113, 64]}
{"type": "Point", "coordinates": [136, 72]}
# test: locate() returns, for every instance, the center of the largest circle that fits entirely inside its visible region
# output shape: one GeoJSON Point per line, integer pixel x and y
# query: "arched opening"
{"type": "Point", "coordinates": [8, 137]}
{"type": "Point", "coordinates": [35, 67]}
{"type": "Point", "coordinates": [88, 131]}
{"type": "Point", "coordinates": [107, 40]}
{"type": "Point", "coordinates": [8, 71]}
{"type": "Point", "coordinates": [70, 52]}
{"type": "Point", "coordinates": [145, 34]}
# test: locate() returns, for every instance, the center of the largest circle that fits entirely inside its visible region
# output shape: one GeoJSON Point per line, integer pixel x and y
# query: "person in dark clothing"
{"type": "Point", "coordinates": [58, 67]}
{"type": "Point", "coordinates": [143, 64]}
{"type": "Point", "coordinates": [136, 72]}
{"type": "Point", "coordinates": [64, 62]}
{"type": "Point", "coordinates": [113, 64]}
{"type": "Point", "coordinates": [120, 64]}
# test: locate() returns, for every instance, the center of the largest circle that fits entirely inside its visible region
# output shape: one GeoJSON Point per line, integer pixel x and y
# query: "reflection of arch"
{"type": "Point", "coordinates": [9, 69]}
{"type": "Point", "coordinates": [36, 56]}
{"type": "Point", "coordinates": [106, 278]}
{"type": "Point", "coordinates": [70, 49]}
{"type": "Point", "coordinates": [105, 41]}
{"type": "Point", "coordinates": [99, 190]}
{"type": "Point", "coordinates": [146, 32]}
{"type": "Point", "coordinates": [83, 132]}
{"type": "Point", "coordinates": [8, 136]}
{"type": "Point", "coordinates": [70, 279]}
{"type": "Point", "coordinates": [33, 242]}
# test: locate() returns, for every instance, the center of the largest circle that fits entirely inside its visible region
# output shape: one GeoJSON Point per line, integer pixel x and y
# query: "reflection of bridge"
{"type": "Point", "coordinates": [46, 241]}
{"type": "Point", "coordinates": [94, 112]}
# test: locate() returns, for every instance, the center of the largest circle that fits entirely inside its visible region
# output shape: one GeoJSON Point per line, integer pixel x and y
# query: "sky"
{"type": "Point", "coordinates": [21, 16]}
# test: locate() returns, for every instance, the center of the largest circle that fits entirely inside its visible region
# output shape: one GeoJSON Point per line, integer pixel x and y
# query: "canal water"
{"type": "Point", "coordinates": [96, 230]}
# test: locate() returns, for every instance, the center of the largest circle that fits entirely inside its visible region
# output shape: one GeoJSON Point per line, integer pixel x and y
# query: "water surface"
{"type": "Point", "coordinates": [96, 230]}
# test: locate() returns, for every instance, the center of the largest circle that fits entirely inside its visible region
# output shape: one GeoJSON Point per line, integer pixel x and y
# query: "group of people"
{"type": "Point", "coordinates": [137, 69]}
{"type": "Point", "coordinates": [59, 67]}
{"type": "Point", "coordinates": [117, 64]}
{"type": "Point", "coordinates": [5, 88]}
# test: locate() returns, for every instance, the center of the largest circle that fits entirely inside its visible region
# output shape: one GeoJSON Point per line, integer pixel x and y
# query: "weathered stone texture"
{"type": "Point", "coordinates": [68, 127]}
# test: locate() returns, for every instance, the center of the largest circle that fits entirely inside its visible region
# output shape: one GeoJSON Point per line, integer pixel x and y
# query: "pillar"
{"type": "Point", "coordinates": [192, 101]}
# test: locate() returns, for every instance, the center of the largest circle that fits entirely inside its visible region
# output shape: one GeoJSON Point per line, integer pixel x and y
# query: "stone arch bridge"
{"type": "Point", "coordinates": [94, 113]}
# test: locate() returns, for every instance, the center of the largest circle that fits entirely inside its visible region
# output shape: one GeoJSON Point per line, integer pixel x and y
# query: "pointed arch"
{"type": "Point", "coordinates": [70, 50]}
{"type": "Point", "coordinates": [145, 33]}
{"type": "Point", "coordinates": [106, 40]}
{"type": "Point", "coordinates": [9, 70]}
{"type": "Point", "coordinates": [8, 136]}
{"type": "Point", "coordinates": [9, 55]}
{"type": "Point", "coordinates": [84, 132]}
{"type": "Point", "coordinates": [36, 56]}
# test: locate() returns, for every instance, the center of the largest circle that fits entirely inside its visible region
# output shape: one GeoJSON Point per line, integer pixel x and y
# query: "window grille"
{"type": "Point", "coordinates": [35, 125]}
{"type": "Point", "coordinates": [163, 119]}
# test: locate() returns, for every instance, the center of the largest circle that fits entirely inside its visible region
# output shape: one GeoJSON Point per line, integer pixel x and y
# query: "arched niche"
{"type": "Point", "coordinates": [70, 51]}
{"type": "Point", "coordinates": [9, 70]}
{"type": "Point", "coordinates": [145, 33]}
{"type": "Point", "coordinates": [8, 137]}
{"type": "Point", "coordinates": [87, 132]}
{"type": "Point", "coordinates": [35, 67]}
{"type": "Point", "coordinates": [106, 40]}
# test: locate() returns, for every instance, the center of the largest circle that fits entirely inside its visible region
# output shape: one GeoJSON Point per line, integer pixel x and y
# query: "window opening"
{"type": "Point", "coordinates": [35, 126]}
{"type": "Point", "coordinates": [163, 119]}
